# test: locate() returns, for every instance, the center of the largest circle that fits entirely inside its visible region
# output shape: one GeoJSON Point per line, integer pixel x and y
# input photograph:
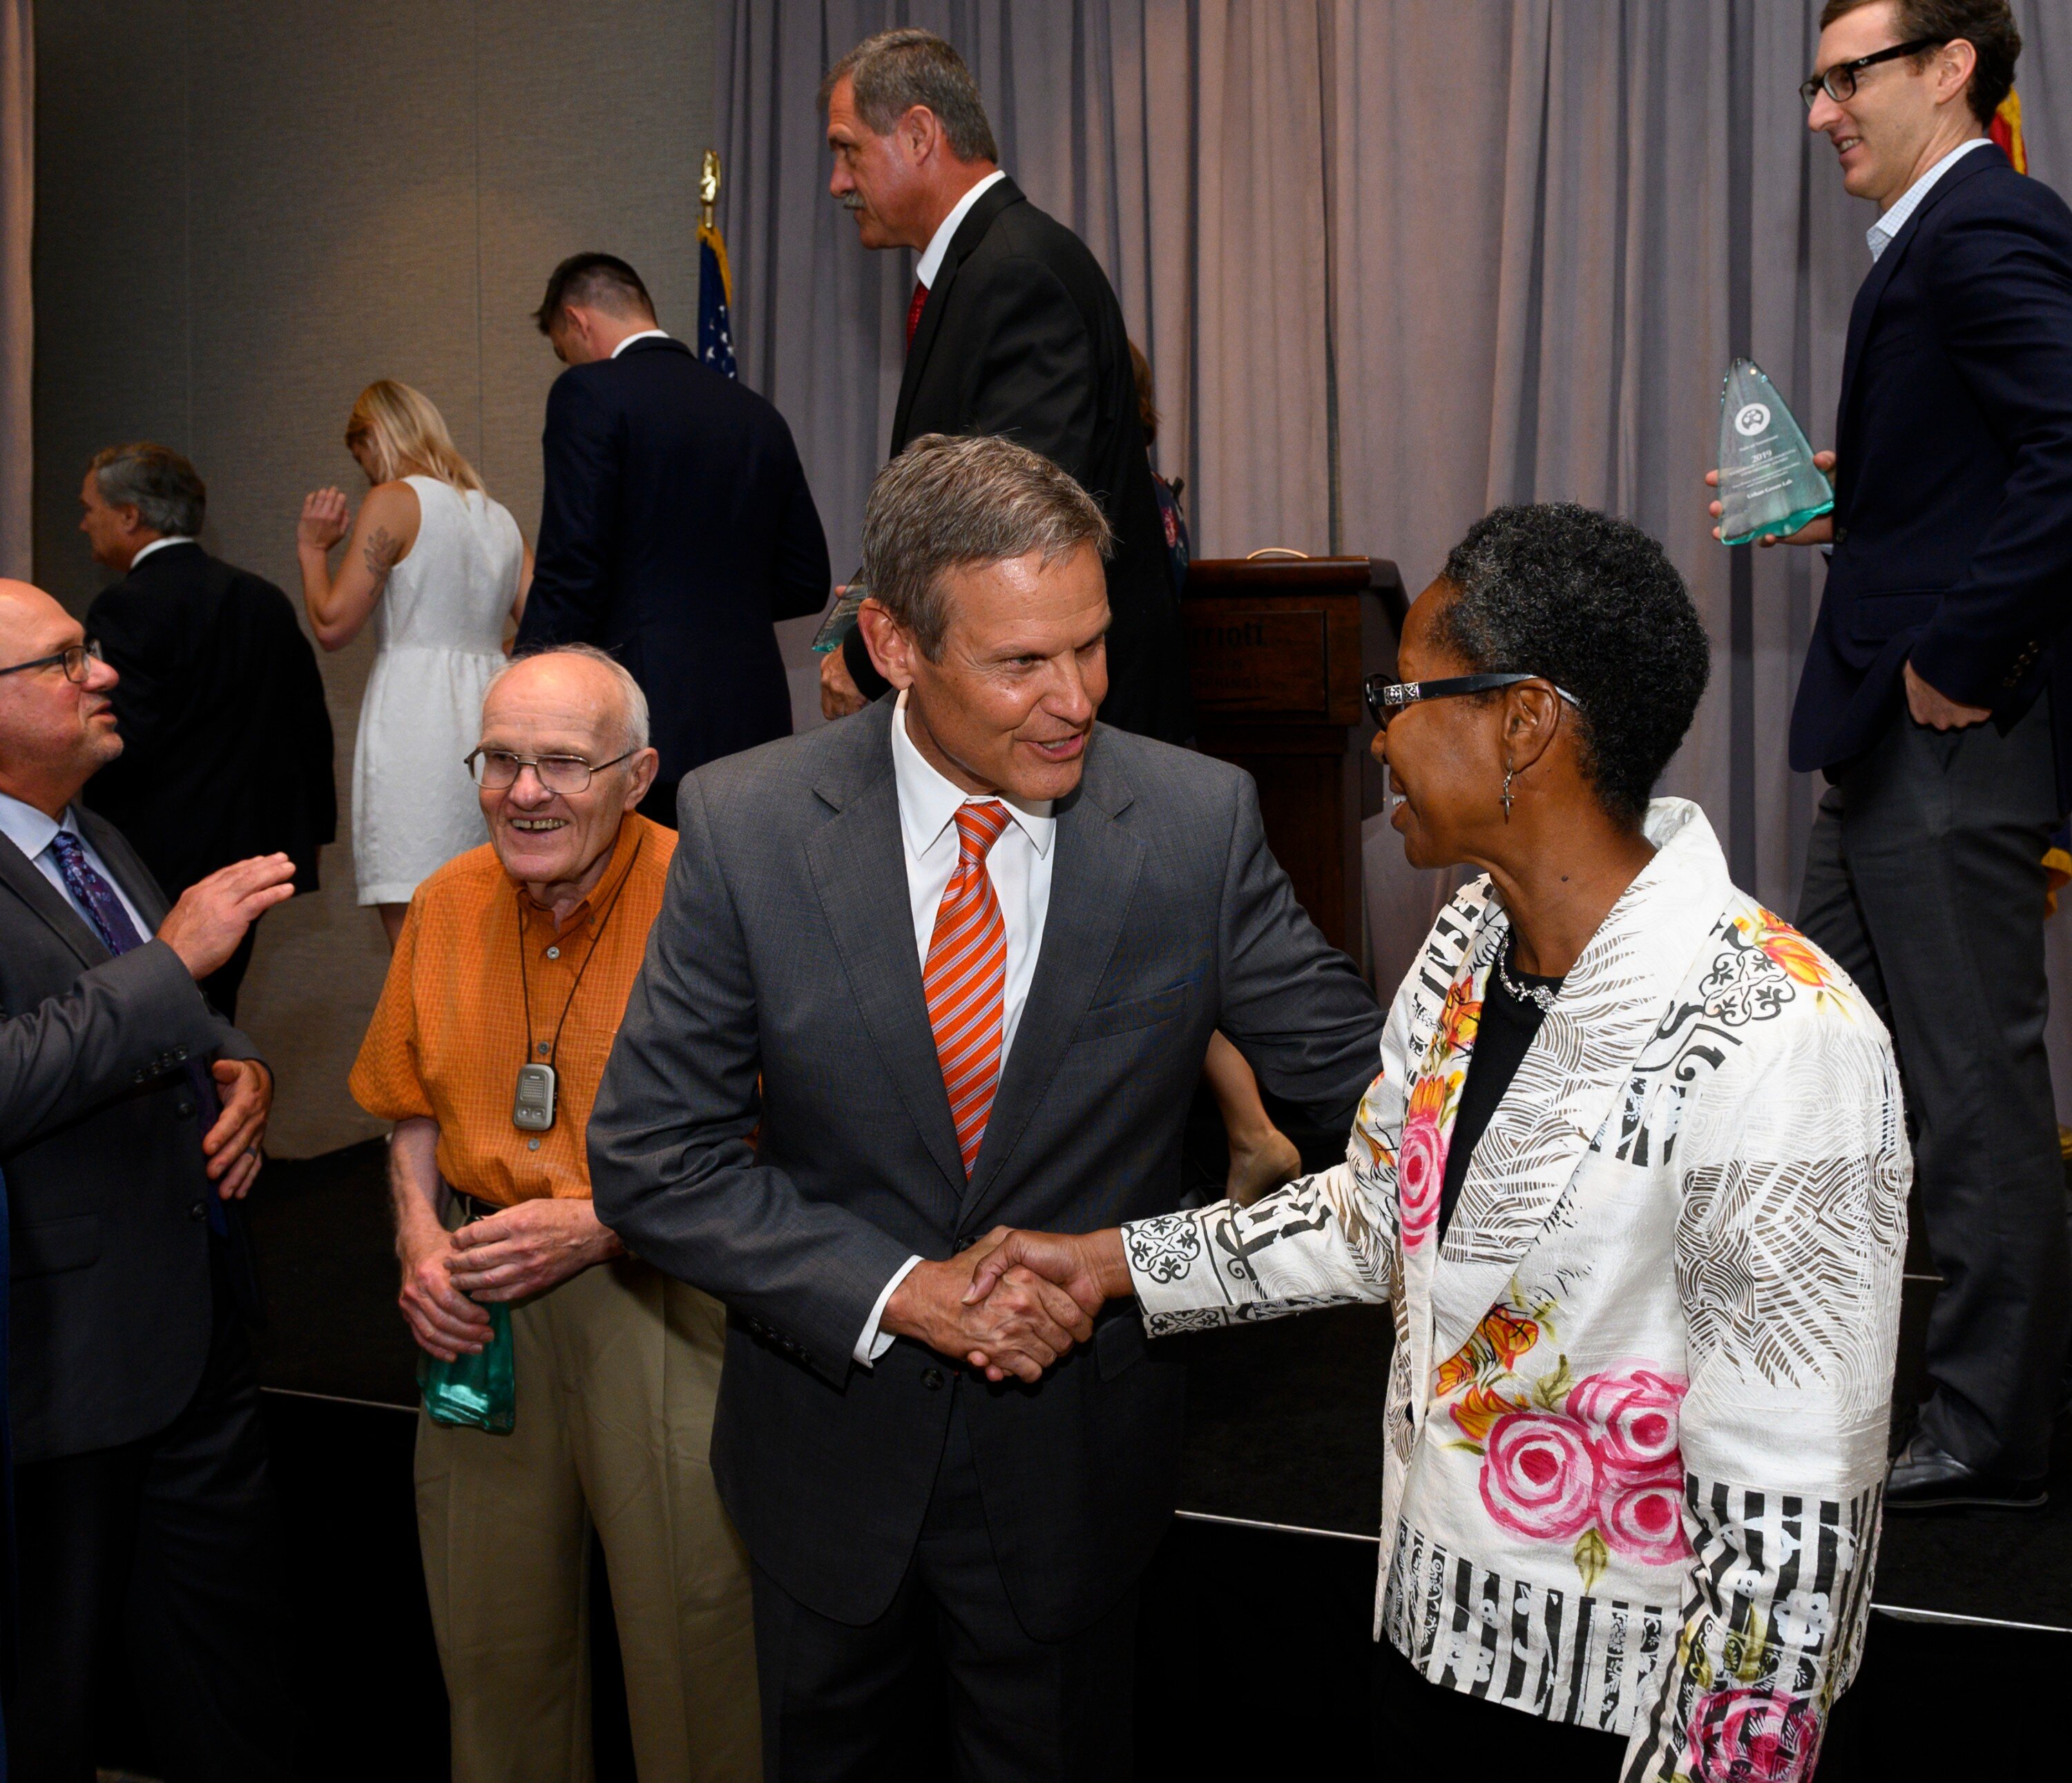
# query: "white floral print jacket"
{"type": "Point", "coordinates": [1637, 1412]}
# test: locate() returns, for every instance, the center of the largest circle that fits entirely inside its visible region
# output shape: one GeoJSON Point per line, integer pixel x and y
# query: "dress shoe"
{"type": "Point", "coordinates": [1924, 1478]}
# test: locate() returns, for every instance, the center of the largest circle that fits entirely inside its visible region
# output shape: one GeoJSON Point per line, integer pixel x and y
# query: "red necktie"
{"type": "Point", "coordinates": [913, 311]}
{"type": "Point", "coordinates": [966, 978]}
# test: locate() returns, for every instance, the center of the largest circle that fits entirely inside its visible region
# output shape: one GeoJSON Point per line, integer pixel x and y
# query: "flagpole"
{"type": "Point", "coordinates": [707, 189]}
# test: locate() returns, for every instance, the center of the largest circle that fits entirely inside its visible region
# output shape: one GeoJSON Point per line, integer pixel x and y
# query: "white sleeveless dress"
{"type": "Point", "coordinates": [440, 637]}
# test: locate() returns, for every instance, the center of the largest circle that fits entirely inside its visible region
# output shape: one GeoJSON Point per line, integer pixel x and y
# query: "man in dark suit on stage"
{"type": "Point", "coordinates": [220, 703]}
{"type": "Point", "coordinates": [133, 1114]}
{"type": "Point", "coordinates": [1936, 697]}
{"type": "Point", "coordinates": [939, 966]}
{"type": "Point", "coordinates": [1014, 330]}
{"type": "Point", "coordinates": [676, 526]}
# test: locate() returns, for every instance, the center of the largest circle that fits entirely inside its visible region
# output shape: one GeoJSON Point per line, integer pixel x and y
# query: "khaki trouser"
{"type": "Point", "coordinates": [618, 1371]}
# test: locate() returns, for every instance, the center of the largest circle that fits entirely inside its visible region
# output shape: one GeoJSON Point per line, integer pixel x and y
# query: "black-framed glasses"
{"type": "Point", "coordinates": [74, 658]}
{"type": "Point", "coordinates": [1840, 80]}
{"type": "Point", "coordinates": [498, 768]}
{"type": "Point", "coordinates": [1386, 698]}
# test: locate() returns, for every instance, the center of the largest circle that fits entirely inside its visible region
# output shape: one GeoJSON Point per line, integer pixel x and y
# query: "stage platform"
{"type": "Point", "coordinates": [1269, 1575]}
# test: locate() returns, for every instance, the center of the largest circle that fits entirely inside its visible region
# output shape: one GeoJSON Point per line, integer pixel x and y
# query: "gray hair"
{"type": "Point", "coordinates": [947, 503]}
{"type": "Point", "coordinates": [165, 489]}
{"type": "Point", "coordinates": [897, 70]}
{"type": "Point", "coordinates": [633, 703]}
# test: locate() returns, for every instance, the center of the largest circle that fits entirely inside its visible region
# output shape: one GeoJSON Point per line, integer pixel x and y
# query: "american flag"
{"type": "Point", "coordinates": [715, 304]}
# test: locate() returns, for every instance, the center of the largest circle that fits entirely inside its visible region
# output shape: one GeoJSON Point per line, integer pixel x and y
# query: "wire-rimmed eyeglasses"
{"type": "Point", "coordinates": [497, 768]}
{"type": "Point", "coordinates": [1386, 698]}
{"type": "Point", "coordinates": [74, 658]}
{"type": "Point", "coordinates": [1840, 81]}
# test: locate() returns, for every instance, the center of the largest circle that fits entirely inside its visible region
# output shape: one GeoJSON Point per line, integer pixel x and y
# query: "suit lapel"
{"type": "Point", "coordinates": [27, 883]}
{"type": "Point", "coordinates": [1873, 286]}
{"type": "Point", "coordinates": [1091, 881]}
{"type": "Point", "coordinates": [970, 233]}
{"type": "Point", "coordinates": [859, 869]}
{"type": "Point", "coordinates": [1518, 1184]}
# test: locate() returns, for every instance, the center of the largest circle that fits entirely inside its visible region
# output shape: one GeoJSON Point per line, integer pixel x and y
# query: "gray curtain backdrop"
{"type": "Point", "coordinates": [18, 195]}
{"type": "Point", "coordinates": [1394, 262]}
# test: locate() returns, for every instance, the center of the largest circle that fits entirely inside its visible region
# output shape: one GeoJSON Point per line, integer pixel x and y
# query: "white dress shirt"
{"type": "Point", "coordinates": [1881, 233]}
{"type": "Point", "coordinates": [31, 831]}
{"type": "Point", "coordinates": [939, 243]}
{"type": "Point", "coordinates": [143, 551]}
{"type": "Point", "coordinates": [1019, 866]}
{"type": "Point", "coordinates": [645, 334]}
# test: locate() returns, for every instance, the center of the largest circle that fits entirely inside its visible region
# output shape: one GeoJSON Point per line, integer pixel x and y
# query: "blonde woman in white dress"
{"type": "Point", "coordinates": [444, 566]}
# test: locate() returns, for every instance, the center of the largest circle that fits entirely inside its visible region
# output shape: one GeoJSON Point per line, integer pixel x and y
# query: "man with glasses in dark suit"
{"type": "Point", "coordinates": [1937, 699]}
{"type": "Point", "coordinates": [133, 1115]}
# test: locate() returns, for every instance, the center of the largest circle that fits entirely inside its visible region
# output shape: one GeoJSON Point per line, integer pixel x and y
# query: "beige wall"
{"type": "Point", "coordinates": [245, 212]}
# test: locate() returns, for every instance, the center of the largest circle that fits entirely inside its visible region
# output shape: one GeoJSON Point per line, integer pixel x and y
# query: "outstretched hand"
{"type": "Point", "coordinates": [1020, 1327]}
{"type": "Point", "coordinates": [1088, 1266]}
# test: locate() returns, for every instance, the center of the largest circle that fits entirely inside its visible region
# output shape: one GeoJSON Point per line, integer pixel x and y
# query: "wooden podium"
{"type": "Point", "coordinates": [1278, 646]}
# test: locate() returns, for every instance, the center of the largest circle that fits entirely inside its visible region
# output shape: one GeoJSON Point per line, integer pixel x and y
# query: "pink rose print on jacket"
{"type": "Point", "coordinates": [1753, 1736]}
{"type": "Point", "coordinates": [1643, 1519]}
{"type": "Point", "coordinates": [1421, 1163]}
{"type": "Point", "coordinates": [1539, 1477]}
{"type": "Point", "coordinates": [1631, 1415]}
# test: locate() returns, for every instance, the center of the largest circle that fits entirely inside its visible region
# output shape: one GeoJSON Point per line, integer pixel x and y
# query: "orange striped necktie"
{"type": "Point", "coordinates": [966, 978]}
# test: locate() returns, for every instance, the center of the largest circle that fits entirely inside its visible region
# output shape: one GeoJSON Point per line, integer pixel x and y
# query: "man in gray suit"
{"type": "Point", "coordinates": [131, 1116]}
{"type": "Point", "coordinates": [951, 962]}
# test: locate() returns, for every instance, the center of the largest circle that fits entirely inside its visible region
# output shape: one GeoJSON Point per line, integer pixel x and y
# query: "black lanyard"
{"type": "Point", "coordinates": [524, 984]}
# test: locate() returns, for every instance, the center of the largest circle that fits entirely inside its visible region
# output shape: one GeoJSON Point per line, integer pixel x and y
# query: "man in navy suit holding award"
{"type": "Point", "coordinates": [1937, 699]}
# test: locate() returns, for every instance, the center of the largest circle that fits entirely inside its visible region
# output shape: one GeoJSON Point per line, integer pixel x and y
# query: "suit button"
{"type": "Point", "coordinates": [197, 1212]}
{"type": "Point", "coordinates": [184, 1108]}
{"type": "Point", "coordinates": [931, 1378]}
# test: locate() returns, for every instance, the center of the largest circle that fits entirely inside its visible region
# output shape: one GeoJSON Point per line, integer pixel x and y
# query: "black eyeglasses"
{"type": "Point", "coordinates": [1840, 80]}
{"type": "Point", "coordinates": [1386, 698]}
{"type": "Point", "coordinates": [74, 658]}
{"type": "Point", "coordinates": [498, 768]}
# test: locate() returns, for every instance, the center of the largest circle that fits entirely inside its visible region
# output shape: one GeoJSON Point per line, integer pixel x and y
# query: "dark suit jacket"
{"type": "Point", "coordinates": [1953, 499]}
{"type": "Point", "coordinates": [675, 528]}
{"type": "Point", "coordinates": [101, 1146]}
{"type": "Point", "coordinates": [227, 742]}
{"type": "Point", "coordinates": [784, 952]}
{"type": "Point", "coordinates": [1021, 335]}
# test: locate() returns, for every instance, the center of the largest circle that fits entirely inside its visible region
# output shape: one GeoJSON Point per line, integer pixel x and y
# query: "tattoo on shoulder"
{"type": "Point", "coordinates": [380, 552]}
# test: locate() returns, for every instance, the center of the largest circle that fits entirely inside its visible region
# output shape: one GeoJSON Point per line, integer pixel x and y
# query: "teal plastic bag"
{"type": "Point", "coordinates": [479, 1390]}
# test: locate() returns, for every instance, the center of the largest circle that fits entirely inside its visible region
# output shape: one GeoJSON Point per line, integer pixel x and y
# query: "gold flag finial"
{"type": "Point", "coordinates": [708, 187]}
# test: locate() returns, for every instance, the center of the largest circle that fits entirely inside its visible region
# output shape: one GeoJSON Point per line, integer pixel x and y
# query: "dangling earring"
{"type": "Point", "coordinates": [1507, 792]}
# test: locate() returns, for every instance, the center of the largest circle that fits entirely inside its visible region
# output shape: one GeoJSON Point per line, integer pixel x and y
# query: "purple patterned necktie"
{"type": "Point", "coordinates": [118, 934]}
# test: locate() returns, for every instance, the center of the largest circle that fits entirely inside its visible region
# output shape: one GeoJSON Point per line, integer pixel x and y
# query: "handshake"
{"type": "Point", "coordinates": [1014, 1302]}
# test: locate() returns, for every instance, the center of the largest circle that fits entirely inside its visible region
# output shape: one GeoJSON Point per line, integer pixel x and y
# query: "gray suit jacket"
{"type": "Point", "coordinates": [785, 948]}
{"type": "Point", "coordinates": [101, 1146]}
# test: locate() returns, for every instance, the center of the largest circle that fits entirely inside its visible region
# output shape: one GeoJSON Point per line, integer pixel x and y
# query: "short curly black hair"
{"type": "Point", "coordinates": [1595, 605]}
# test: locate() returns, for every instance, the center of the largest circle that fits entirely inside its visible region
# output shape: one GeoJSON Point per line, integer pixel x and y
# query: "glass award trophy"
{"type": "Point", "coordinates": [841, 618]}
{"type": "Point", "coordinates": [1769, 485]}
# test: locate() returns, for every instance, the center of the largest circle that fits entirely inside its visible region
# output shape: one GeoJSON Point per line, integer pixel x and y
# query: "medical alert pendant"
{"type": "Point", "coordinates": [532, 1109]}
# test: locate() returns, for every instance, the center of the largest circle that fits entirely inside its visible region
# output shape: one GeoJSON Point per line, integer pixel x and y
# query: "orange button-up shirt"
{"type": "Point", "coordinates": [451, 1028]}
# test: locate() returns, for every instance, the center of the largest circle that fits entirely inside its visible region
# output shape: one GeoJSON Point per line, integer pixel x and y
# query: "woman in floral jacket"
{"type": "Point", "coordinates": [1632, 1178]}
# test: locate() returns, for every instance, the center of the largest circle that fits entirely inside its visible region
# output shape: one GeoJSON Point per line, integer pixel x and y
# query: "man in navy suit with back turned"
{"type": "Point", "coordinates": [675, 525]}
{"type": "Point", "coordinates": [1938, 697]}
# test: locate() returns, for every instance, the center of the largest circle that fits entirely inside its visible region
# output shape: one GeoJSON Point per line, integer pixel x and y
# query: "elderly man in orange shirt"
{"type": "Point", "coordinates": [521, 954]}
